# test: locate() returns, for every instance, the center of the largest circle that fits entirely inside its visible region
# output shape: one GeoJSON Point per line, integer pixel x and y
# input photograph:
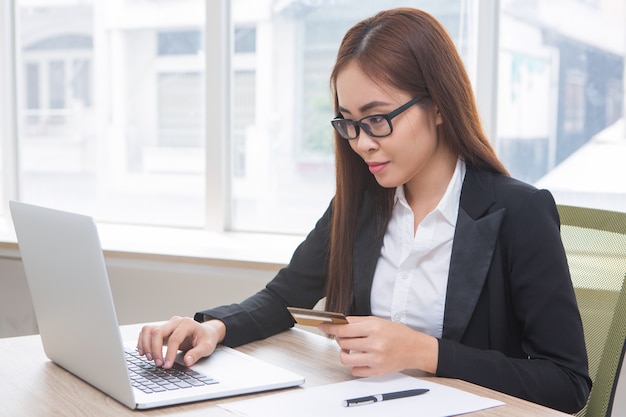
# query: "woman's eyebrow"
{"type": "Point", "coordinates": [365, 107]}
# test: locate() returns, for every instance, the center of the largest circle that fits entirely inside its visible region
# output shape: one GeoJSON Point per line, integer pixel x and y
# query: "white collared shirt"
{"type": "Point", "coordinates": [411, 275]}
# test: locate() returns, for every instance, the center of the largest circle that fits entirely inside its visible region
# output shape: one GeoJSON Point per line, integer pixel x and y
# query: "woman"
{"type": "Point", "coordinates": [441, 260]}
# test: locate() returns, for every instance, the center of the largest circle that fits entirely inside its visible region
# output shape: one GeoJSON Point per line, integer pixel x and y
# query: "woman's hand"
{"type": "Point", "coordinates": [373, 346]}
{"type": "Point", "coordinates": [197, 340]}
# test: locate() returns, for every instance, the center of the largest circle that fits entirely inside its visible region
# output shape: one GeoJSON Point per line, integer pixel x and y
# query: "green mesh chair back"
{"type": "Point", "coordinates": [595, 243]}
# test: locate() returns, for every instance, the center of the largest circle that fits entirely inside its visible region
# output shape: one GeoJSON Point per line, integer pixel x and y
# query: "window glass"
{"type": "Point", "coordinates": [282, 152]}
{"type": "Point", "coordinates": [186, 42]}
{"type": "Point", "coordinates": [111, 103]}
{"type": "Point", "coordinates": [561, 98]}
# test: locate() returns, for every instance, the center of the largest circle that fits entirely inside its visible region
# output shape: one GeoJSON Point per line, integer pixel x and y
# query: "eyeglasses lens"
{"type": "Point", "coordinates": [346, 128]}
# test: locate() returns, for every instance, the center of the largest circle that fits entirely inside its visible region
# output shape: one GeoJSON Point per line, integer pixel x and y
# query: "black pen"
{"type": "Point", "coordinates": [383, 397]}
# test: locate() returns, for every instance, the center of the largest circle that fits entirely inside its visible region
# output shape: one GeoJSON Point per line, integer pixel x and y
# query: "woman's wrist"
{"type": "Point", "coordinates": [217, 327]}
{"type": "Point", "coordinates": [428, 356]}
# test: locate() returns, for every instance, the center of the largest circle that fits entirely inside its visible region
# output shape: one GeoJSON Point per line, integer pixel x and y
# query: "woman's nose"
{"type": "Point", "coordinates": [365, 142]}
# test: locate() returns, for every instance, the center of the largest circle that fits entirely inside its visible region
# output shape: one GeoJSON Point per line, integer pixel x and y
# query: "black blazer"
{"type": "Point", "coordinates": [511, 321]}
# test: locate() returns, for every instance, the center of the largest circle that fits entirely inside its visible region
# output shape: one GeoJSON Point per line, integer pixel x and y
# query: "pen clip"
{"type": "Point", "coordinates": [362, 400]}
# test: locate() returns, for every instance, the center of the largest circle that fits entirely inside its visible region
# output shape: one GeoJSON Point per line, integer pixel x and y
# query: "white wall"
{"type": "Point", "coordinates": [16, 311]}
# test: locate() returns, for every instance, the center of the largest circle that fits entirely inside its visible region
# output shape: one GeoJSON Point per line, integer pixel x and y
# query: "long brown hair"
{"type": "Point", "coordinates": [411, 51]}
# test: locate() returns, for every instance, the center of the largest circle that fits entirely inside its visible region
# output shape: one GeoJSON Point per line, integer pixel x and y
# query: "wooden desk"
{"type": "Point", "coordinates": [31, 385]}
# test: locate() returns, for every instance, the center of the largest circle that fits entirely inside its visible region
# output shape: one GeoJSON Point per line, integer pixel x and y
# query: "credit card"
{"type": "Point", "coordinates": [308, 317]}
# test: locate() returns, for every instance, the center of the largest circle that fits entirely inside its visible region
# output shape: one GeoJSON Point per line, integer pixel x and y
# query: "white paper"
{"type": "Point", "coordinates": [327, 400]}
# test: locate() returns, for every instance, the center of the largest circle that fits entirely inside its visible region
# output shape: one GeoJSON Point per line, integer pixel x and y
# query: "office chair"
{"type": "Point", "coordinates": [595, 243]}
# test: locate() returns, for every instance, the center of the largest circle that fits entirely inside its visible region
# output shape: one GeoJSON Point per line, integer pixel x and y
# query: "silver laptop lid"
{"type": "Point", "coordinates": [71, 296]}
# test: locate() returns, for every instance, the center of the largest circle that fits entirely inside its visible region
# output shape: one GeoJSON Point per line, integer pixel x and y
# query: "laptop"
{"type": "Point", "coordinates": [71, 296]}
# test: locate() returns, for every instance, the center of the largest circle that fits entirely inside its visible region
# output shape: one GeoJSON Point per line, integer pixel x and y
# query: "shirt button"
{"type": "Point", "coordinates": [397, 317]}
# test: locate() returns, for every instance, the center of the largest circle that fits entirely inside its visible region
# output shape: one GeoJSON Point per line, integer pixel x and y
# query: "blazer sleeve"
{"type": "Point", "coordinates": [300, 284]}
{"type": "Point", "coordinates": [549, 363]}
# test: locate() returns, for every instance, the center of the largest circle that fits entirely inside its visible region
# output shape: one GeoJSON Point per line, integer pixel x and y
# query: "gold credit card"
{"type": "Point", "coordinates": [307, 317]}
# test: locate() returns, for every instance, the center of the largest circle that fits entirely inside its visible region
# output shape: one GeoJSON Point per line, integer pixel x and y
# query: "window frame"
{"type": "Point", "coordinates": [218, 87]}
{"type": "Point", "coordinates": [8, 105]}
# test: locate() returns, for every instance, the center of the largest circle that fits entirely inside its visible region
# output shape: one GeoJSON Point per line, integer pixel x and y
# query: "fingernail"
{"type": "Point", "coordinates": [158, 362]}
{"type": "Point", "coordinates": [168, 364]}
{"type": "Point", "coordinates": [148, 356]}
{"type": "Point", "coordinates": [188, 360]}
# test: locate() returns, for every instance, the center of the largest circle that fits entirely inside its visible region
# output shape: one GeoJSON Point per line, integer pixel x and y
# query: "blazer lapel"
{"type": "Point", "coordinates": [474, 244]}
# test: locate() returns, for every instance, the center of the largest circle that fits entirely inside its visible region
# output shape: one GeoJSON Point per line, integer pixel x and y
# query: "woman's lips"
{"type": "Point", "coordinates": [376, 167]}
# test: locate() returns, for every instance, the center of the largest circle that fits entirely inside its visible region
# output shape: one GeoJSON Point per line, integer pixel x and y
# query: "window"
{"type": "Point", "coordinates": [560, 102]}
{"type": "Point", "coordinates": [111, 118]}
{"type": "Point", "coordinates": [180, 110]}
{"type": "Point", "coordinates": [245, 39]}
{"type": "Point", "coordinates": [32, 86]}
{"type": "Point", "coordinates": [186, 42]}
{"type": "Point", "coordinates": [115, 105]}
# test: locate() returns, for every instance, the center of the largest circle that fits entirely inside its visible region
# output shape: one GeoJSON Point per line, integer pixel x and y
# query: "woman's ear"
{"type": "Point", "coordinates": [438, 117]}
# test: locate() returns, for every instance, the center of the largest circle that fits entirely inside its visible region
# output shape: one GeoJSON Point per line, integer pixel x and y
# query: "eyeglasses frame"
{"type": "Point", "coordinates": [358, 125]}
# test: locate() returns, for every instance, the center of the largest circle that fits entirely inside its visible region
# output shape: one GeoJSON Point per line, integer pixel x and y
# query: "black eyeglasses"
{"type": "Point", "coordinates": [376, 125]}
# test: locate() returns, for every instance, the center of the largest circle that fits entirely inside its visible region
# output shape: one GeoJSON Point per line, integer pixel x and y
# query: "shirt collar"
{"type": "Point", "coordinates": [448, 206]}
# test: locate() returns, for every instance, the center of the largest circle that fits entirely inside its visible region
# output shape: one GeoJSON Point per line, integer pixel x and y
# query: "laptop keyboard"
{"type": "Point", "coordinates": [148, 378]}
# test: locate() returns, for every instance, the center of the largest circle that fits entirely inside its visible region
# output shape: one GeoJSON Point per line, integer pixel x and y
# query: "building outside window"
{"type": "Point", "coordinates": [561, 89]}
